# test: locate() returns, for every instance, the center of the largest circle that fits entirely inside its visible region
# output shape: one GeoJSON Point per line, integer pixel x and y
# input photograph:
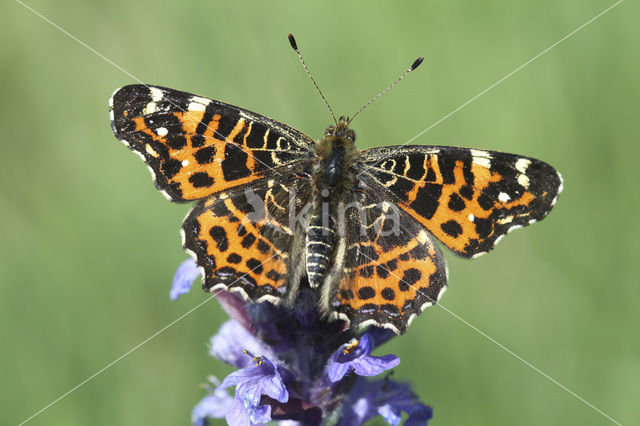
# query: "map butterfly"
{"type": "Point", "coordinates": [377, 264]}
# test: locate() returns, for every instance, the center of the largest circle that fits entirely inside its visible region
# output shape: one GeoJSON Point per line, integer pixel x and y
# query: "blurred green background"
{"type": "Point", "coordinates": [88, 246]}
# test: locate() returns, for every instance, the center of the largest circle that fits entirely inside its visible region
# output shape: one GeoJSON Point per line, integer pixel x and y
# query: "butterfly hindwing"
{"type": "Point", "coordinates": [468, 199]}
{"type": "Point", "coordinates": [242, 238]}
{"type": "Point", "coordinates": [197, 146]}
{"type": "Point", "coordinates": [393, 268]}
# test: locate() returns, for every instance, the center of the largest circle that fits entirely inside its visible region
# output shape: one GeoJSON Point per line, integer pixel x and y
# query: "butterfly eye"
{"type": "Point", "coordinates": [329, 131]}
{"type": "Point", "coordinates": [351, 135]}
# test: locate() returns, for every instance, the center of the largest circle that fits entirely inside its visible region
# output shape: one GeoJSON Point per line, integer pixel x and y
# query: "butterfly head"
{"type": "Point", "coordinates": [341, 130]}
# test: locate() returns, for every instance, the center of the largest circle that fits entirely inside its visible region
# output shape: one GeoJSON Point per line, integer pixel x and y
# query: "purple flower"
{"type": "Point", "coordinates": [252, 382]}
{"type": "Point", "coordinates": [232, 343]}
{"type": "Point", "coordinates": [393, 398]}
{"type": "Point", "coordinates": [214, 405]}
{"type": "Point", "coordinates": [387, 399]}
{"type": "Point", "coordinates": [183, 278]}
{"type": "Point", "coordinates": [301, 375]}
{"type": "Point", "coordinates": [354, 356]}
{"type": "Point", "coordinates": [240, 415]}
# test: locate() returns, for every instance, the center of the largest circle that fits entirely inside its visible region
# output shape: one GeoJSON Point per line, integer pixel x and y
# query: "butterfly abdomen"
{"type": "Point", "coordinates": [320, 237]}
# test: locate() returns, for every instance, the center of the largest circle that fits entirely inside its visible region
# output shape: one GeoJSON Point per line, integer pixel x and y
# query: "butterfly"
{"type": "Point", "coordinates": [277, 212]}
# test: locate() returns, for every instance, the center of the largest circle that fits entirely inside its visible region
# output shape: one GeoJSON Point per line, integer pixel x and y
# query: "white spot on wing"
{"type": "Point", "coordinates": [523, 180]}
{"type": "Point", "coordinates": [413, 316]}
{"type": "Point", "coordinates": [340, 316]}
{"type": "Point", "coordinates": [156, 94]}
{"type": "Point", "coordinates": [369, 322]}
{"type": "Point", "coordinates": [522, 164]}
{"type": "Point", "coordinates": [149, 109]}
{"type": "Point", "coordinates": [446, 271]}
{"type": "Point", "coordinates": [513, 228]}
{"type": "Point", "coordinates": [200, 100]}
{"type": "Point", "coordinates": [196, 106]}
{"type": "Point", "coordinates": [477, 255]}
{"type": "Point", "coordinates": [162, 131]}
{"type": "Point", "coordinates": [185, 163]}
{"type": "Point", "coordinates": [504, 197]}
{"type": "Point", "coordinates": [274, 300]}
{"type": "Point", "coordinates": [472, 217]}
{"type": "Point", "coordinates": [561, 183]}
{"type": "Point", "coordinates": [482, 158]}
{"type": "Point", "coordinates": [442, 291]}
{"type": "Point", "coordinates": [224, 287]}
{"type": "Point", "coordinates": [482, 161]}
{"type": "Point", "coordinates": [112, 95]}
{"type": "Point", "coordinates": [480, 153]}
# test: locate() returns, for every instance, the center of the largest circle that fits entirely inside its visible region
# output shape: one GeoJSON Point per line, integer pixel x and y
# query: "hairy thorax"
{"type": "Point", "coordinates": [336, 162]}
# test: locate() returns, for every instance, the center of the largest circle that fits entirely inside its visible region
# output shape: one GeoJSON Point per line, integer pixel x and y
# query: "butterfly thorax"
{"type": "Point", "coordinates": [334, 174]}
{"type": "Point", "coordinates": [336, 160]}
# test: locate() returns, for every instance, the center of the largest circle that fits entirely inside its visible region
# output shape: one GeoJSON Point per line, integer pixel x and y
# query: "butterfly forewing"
{"type": "Point", "coordinates": [197, 146]}
{"type": "Point", "coordinates": [468, 199]}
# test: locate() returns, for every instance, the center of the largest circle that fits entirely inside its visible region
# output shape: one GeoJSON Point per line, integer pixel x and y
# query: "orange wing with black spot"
{"type": "Point", "coordinates": [242, 237]}
{"type": "Point", "coordinates": [468, 199]}
{"type": "Point", "coordinates": [393, 269]}
{"type": "Point", "coordinates": [196, 146]}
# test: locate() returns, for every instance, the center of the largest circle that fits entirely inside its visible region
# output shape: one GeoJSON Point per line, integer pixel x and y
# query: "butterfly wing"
{"type": "Point", "coordinates": [468, 199]}
{"type": "Point", "coordinates": [196, 146]}
{"type": "Point", "coordinates": [392, 267]}
{"type": "Point", "coordinates": [242, 237]}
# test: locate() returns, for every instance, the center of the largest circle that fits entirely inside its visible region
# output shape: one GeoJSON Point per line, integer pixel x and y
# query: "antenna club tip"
{"type": "Point", "coordinates": [292, 41]}
{"type": "Point", "coordinates": [416, 63]}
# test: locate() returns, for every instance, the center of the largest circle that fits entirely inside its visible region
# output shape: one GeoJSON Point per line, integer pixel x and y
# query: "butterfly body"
{"type": "Point", "coordinates": [334, 173]}
{"type": "Point", "coordinates": [277, 210]}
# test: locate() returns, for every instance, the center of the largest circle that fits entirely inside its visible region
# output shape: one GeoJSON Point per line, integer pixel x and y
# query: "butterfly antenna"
{"type": "Point", "coordinates": [413, 66]}
{"type": "Point", "coordinates": [294, 45]}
